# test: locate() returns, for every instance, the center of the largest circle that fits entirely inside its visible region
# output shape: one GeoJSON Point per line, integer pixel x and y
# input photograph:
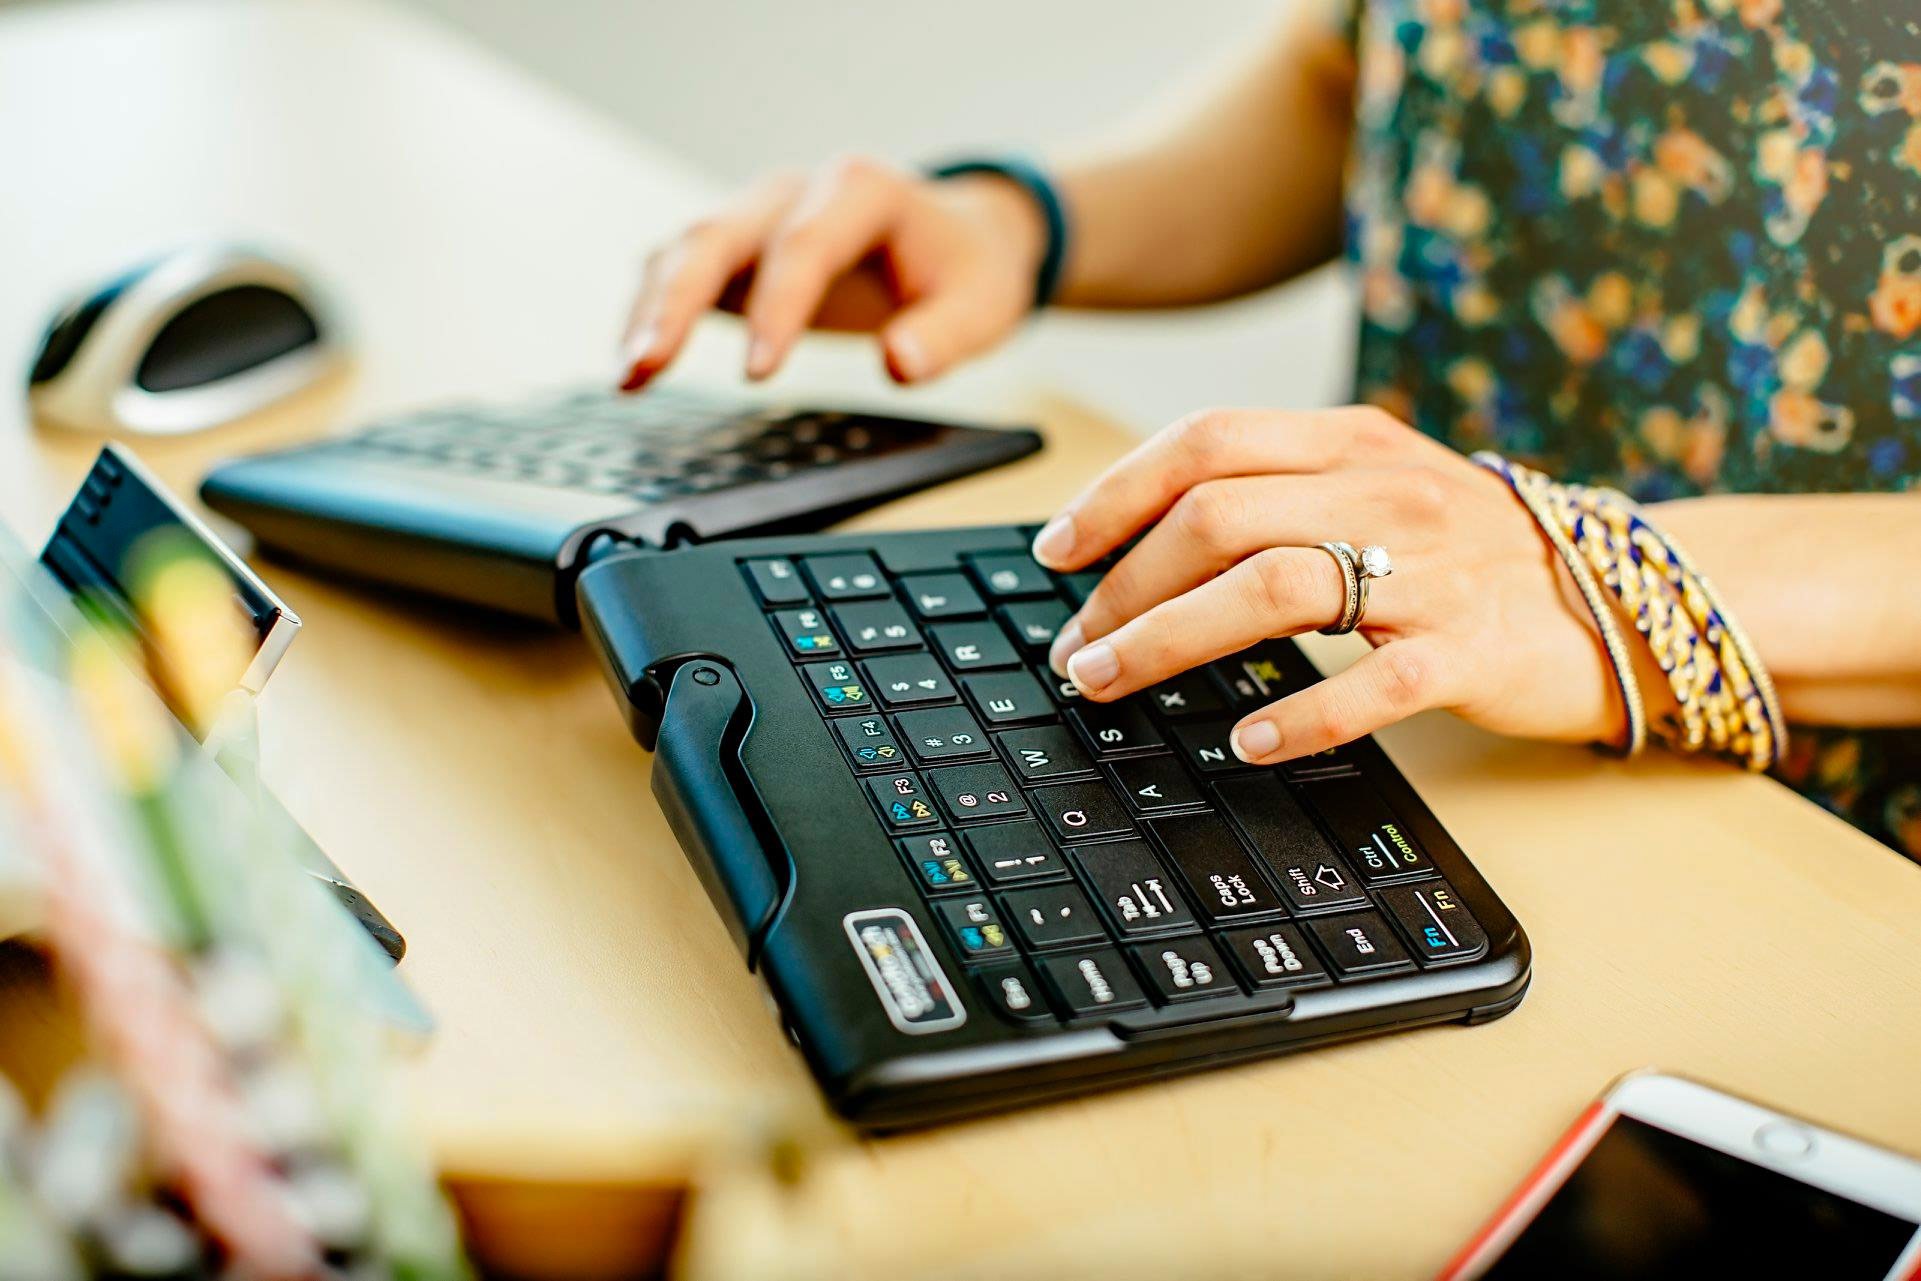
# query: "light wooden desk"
{"type": "Point", "coordinates": [473, 777]}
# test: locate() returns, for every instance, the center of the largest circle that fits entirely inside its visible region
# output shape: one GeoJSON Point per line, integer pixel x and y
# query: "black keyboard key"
{"type": "Point", "coordinates": [1367, 829]}
{"type": "Point", "coordinates": [1360, 943]}
{"type": "Point", "coordinates": [870, 742]}
{"type": "Point", "coordinates": [1034, 623]}
{"type": "Point", "coordinates": [938, 863]}
{"type": "Point", "coordinates": [903, 801]}
{"type": "Point", "coordinates": [1311, 874]}
{"type": "Point", "coordinates": [1344, 759]}
{"type": "Point", "coordinates": [776, 582]}
{"type": "Point", "coordinates": [837, 687]}
{"type": "Point", "coordinates": [1014, 853]}
{"type": "Point", "coordinates": [1206, 747]}
{"type": "Point", "coordinates": [1153, 784]}
{"type": "Point", "coordinates": [1006, 698]}
{"type": "Point", "coordinates": [974, 792]}
{"type": "Point", "coordinates": [1044, 754]}
{"type": "Point", "coordinates": [1318, 884]}
{"type": "Point", "coordinates": [849, 576]}
{"type": "Point", "coordinates": [969, 647]}
{"type": "Point", "coordinates": [1184, 969]}
{"type": "Point", "coordinates": [1276, 956]}
{"type": "Point", "coordinates": [976, 928]}
{"type": "Point", "coordinates": [1222, 874]}
{"type": "Point", "coordinates": [806, 633]}
{"type": "Point", "coordinates": [1011, 990]}
{"type": "Point", "coordinates": [1440, 925]}
{"type": "Point", "coordinates": [1052, 916]}
{"type": "Point", "coordinates": [1133, 887]}
{"type": "Point", "coordinates": [936, 735]}
{"type": "Point", "coordinates": [1010, 574]}
{"type": "Point", "coordinates": [1080, 586]}
{"type": "Point", "coordinates": [1189, 694]}
{"type": "Point", "coordinates": [872, 627]}
{"type": "Point", "coordinates": [903, 680]}
{"type": "Point", "coordinates": [1082, 811]}
{"type": "Point", "coordinates": [1270, 670]}
{"type": "Point", "coordinates": [1092, 981]}
{"type": "Point", "coordinates": [937, 596]}
{"type": "Point", "coordinates": [1116, 729]}
{"type": "Point", "coordinates": [1059, 688]}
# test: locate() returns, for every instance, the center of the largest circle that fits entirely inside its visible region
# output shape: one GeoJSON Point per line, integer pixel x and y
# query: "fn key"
{"type": "Point", "coordinates": [1440, 926]}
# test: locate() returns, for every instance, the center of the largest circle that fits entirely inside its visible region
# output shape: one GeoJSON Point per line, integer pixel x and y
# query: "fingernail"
{"type": "Point", "coordinates": [641, 344]}
{"type": "Point", "coordinates": [1255, 741]}
{"type": "Point", "coordinates": [636, 367]}
{"type": "Point", "coordinates": [1095, 667]}
{"type": "Point", "coordinates": [1055, 543]}
{"type": "Point", "coordinates": [760, 358]}
{"type": "Point", "coordinates": [906, 359]}
{"type": "Point", "coordinates": [1066, 641]}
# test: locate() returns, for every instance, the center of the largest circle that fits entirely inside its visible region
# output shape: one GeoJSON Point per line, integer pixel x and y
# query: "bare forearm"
{"type": "Point", "coordinates": [1829, 588]}
{"type": "Point", "coordinates": [1234, 188]}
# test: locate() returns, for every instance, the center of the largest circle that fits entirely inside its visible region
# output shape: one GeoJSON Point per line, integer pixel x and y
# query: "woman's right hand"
{"type": "Point", "coordinates": [938, 270]}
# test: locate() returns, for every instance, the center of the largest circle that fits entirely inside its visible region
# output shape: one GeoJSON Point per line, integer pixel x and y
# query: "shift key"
{"type": "Point", "coordinates": [1216, 866]}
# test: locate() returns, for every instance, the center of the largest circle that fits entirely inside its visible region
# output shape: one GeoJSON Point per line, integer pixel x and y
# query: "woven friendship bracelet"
{"type": "Point", "coordinates": [1530, 487]}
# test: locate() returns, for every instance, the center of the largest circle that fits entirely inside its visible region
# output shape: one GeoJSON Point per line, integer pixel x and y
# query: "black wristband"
{"type": "Point", "coordinates": [1035, 182]}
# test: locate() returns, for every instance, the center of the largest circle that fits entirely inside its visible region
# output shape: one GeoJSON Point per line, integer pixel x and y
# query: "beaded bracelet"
{"type": "Point", "coordinates": [1724, 701]}
{"type": "Point", "coordinates": [1531, 487]}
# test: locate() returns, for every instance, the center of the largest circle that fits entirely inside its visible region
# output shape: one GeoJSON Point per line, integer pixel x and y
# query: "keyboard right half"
{"type": "Point", "coordinates": [968, 887]}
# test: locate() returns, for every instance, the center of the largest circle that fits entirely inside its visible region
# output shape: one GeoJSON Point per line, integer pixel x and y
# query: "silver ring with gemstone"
{"type": "Point", "coordinates": [1372, 561]}
{"type": "Point", "coordinates": [1358, 568]}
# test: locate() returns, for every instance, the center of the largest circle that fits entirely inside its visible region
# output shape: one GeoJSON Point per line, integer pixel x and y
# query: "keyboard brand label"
{"type": "Point", "coordinates": [912, 989]}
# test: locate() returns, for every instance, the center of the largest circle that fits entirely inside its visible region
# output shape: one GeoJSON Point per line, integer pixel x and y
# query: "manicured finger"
{"type": "Point", "coordinates": [687, 276]}
{"type": "Point", "coordinates": [1215, 524]}
{"type": "Point", "coordinates": [1280, 592]}
{"type": "Point", "coordinates": [1140, 488]}
{"type": "Point", "coordinates": [1386, 685]}
{"type": "Point", "coordinates": [841, 217]}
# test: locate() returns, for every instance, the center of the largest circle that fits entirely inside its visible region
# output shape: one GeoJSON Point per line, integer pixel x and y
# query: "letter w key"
{"type": "Point", "coordinates": [1049, 752]}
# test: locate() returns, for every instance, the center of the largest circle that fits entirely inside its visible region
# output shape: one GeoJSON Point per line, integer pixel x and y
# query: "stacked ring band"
{"type": "Point", "coordinates": [1349, 561]}
{"type": "Point", "coordinates": [1358, 568]}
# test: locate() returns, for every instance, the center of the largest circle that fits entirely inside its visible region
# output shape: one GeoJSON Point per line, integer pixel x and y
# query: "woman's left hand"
{"type": "Point", "coordinates": [1478, 616]}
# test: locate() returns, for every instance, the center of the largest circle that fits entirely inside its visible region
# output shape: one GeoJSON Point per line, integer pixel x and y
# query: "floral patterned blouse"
{"type": "Point", "coordinates": [1669, 245]}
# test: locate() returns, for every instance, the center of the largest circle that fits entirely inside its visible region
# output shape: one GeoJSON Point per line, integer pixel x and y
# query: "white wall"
{"type": "Point", "coordinates": [737, 86]}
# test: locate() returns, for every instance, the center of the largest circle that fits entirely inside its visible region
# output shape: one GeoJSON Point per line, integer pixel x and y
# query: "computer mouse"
{"type": "Point", "coordinates": [190, 340]}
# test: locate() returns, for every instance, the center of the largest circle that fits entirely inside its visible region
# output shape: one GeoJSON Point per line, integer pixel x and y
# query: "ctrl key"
{"type": "Point", "coordinates": [1093, 981]}
{"type": "Point", "coordinates": [1010, 988]}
